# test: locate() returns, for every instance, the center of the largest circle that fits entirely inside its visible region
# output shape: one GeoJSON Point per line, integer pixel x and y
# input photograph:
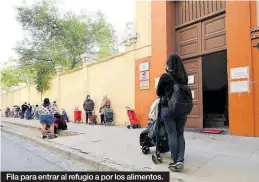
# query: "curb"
{"type": "Point", "coordinates": [23, 125]}
{"type": "Point", "coordinates": [62, 133]}
{"type": "Point", "coordinates": [95, 162]}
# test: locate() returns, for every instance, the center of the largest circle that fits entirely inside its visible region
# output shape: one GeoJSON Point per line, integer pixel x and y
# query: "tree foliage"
{"type": "Point", "coordinates": [11, 76]}
{"type": "Point", "coordinates": [44, 73]}
{"type": "Point", "coordinates": [62, 39]}
{"type": "Point", "coordinates": [59, 39]}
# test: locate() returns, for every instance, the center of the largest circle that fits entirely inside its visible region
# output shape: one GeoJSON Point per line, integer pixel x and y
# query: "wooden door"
{"type": "Point", "coordinates": [194, 70]}
{"type": "Point", "coordinates": [188, 41]}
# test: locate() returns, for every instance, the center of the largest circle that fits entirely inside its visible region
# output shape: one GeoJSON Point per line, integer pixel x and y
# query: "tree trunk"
{"type": "Point", "coordinates": [41, 97]}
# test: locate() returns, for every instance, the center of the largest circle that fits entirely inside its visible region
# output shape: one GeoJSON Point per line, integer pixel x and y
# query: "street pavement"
{"type": "Point", "coordinates": [209, 158]}
{"type": "Point", "coordinates": [20, 155]}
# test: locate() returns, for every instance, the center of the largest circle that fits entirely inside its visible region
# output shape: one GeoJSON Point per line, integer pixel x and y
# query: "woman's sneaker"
{"type": "Point", "coordinates": [176, 166]}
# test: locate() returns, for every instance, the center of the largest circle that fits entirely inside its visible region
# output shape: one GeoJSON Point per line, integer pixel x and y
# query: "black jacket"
{"type": "Point", "coordinates": [24, 107]}
{"type": "Point", "coordinates": [165, 89]}
{"type": "Point", "coordinates": [88, 105]}
{"type": "Point", "coordinates": [166, 84]}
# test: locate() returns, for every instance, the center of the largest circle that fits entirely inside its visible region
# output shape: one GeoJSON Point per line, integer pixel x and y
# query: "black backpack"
{"type": "Point", "coordinates": [180, 101]}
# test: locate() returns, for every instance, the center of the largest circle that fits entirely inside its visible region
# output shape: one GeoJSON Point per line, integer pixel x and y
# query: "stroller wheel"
{"type": "Point", "coordinates": [145, 150]}
{"type": "Point", "coordinates": [155, 159]}
{"type": "Point", "coordinates": [159, 158]}
{"type": "Point", "coordinates": [133, 126]}
{"type": "Point", "coordinates": [128, 126]}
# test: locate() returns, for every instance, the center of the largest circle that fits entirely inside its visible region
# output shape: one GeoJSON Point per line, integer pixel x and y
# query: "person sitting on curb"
{"type": "Point", "coordinates": [59, 123]}
{"type": "Point", "coordinates": [28, 114]}
{"type": "Point", "coordinates": [7, 111]}
{"type": "Point", "coordinates": [106, 103]}
{"type": "Point", "coordinates": [64, 115]}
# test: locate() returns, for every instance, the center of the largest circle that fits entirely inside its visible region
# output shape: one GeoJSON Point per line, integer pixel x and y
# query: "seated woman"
{"type": "Point", "coordinates": [64, 115]}
{"type": "Point", "coordinates": [28, 114]}
{"type": "Point", "coordinates": [7, 112]}
{"type": "Point", "coordinates": [59, 123]}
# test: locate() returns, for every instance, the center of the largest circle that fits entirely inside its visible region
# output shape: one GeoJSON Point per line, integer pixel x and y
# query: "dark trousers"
{"type": "Point", "coordinates": [102, 118]}
{"type": "Point", "coordinates": [88, 114]}
{"type": "Point", "coordinates": [175, 129]}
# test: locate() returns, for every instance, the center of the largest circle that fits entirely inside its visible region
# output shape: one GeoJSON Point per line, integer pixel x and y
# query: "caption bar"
{"type": "Point", "coordinates": [84, 176]}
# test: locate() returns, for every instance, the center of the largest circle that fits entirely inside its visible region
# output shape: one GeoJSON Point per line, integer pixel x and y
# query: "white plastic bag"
{"type": "Point", "coordinates": [153, 113]}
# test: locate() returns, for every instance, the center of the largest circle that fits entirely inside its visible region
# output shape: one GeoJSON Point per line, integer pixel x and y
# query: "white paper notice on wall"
{"type": "Point", "coordinates": [239, 73]}
{"type": "Point", "coordinates": [144, 75]}
{"type": "Point", "coordinates": [239, 86]}
{"type": "Point", "coordinates": [192, 94]}
{"type": "Point", "coordinates": [191, 79]}
{"type": "Point", "coordinates": [144, 85]}
{"type": "Point", "coordinates": [144, 66]}
{"type": "Point", "coordinates": [156, 82]}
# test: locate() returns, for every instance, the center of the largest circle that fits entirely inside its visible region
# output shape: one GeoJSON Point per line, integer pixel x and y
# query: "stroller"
{"type": "Point", "coordinates": [108, 116]}
{"type": "Point", "coordinates": [134, 123]}
{"type": "Point", "coordinates": [155, 136]}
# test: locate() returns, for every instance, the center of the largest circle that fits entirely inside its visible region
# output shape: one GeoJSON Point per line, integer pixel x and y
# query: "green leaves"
{"type": "Point", "coordinates": [44, 72]}
{"type": "Point", "coordinates": [56, 39]}
{"type": "Point", "coordinates": [13, 76]}
{"type": "Point", "coordinates": [62, 39]}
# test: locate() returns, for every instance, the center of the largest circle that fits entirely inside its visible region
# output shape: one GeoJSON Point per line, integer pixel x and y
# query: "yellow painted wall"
{"type": "Point", "coordinates": [116, 79]}
{"type": "Point", "coordinates": [113, 76]}
{"type": "Point", "coordinates": [143, 28]}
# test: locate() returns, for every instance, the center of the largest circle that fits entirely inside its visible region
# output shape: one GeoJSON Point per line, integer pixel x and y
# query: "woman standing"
{"type": "Point", "coordinates": [46, 118]}
{"type": "Point", "coordinates": [174, 123]}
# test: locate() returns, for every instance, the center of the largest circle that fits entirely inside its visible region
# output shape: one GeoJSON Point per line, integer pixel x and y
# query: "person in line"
{"type": "Point", "coordinates": [64, 115]}
{"type": "Point", "coordinates": [36, 112]}
{"type": "Point", "coordinates": [46, 118]}
{"type": "Point", "coordinates": [54, 108]}
{"type": "Point", "coordinates": [7, 111]}
{"type": "Point", "coordinates": [28, 114]}
{"type": "Point", "coordinates": [106, 103]}
{"type": "Point", "coordinates": [24, 109]}
{"type": "Point", "coordinates": [17, 111]}
{"type": "Point", "coordinates": [30, 107]}
{"type": "Point", "coordinates": [174, 123]}
{"type": "Point", "coordinates": [88, 107]}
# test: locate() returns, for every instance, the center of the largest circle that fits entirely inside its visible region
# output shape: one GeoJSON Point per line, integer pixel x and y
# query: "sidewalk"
{"type": "Point", "coordinates": [218, 158]}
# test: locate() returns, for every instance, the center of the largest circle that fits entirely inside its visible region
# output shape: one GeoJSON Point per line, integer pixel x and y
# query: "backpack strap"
{"type": "Point", "coordinates": [172, 78]}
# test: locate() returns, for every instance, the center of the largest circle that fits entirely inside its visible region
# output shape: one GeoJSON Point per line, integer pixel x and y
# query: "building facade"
{"type": "Point", "coordinates": [205, 34]}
